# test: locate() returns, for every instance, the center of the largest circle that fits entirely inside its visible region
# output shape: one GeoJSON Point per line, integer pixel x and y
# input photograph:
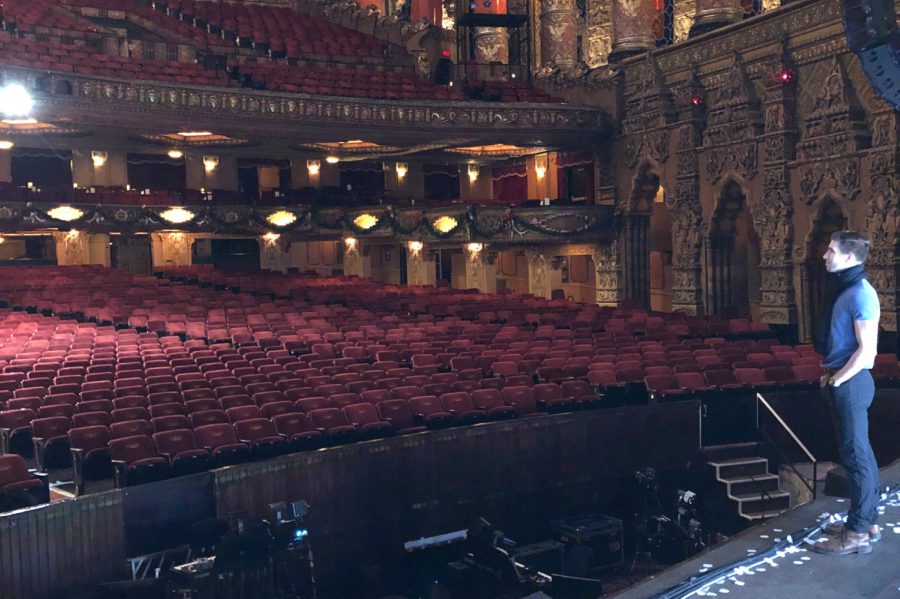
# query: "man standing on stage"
{"type": "Point", "coordinates": [849, 342]}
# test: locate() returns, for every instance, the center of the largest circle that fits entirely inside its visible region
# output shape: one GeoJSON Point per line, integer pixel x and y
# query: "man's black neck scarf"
{"type": "Point", "coordinates": [836, 283]}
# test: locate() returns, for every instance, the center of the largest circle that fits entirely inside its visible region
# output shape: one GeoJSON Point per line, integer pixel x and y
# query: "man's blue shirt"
{"type": "Point", "coordinates": [858, 302]}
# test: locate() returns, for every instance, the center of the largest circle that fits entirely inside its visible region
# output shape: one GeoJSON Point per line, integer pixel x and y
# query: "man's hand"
{"type": "Point", "coordinates": [823, 380]}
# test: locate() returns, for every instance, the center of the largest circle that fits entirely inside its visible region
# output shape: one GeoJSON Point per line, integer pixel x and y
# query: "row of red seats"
{"type": "Point", "coordinates": [333, 81]}
{"type": "Point", "coordinates": [275, 29]}
{"type": "Point", "coordinates": [201, 37]}
{"type": "Point", "coordinates": [484, 307]}
{"type": "Point", "coordinates": [25, 16]}
{"type": "Point", "coordinates": [86, 61]}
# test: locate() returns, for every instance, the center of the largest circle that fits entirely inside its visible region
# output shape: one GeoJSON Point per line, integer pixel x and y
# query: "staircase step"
{"type": "Point", "coordinates": [761, 515]}
{"type": "Point", "coordinates": [729, 451]}
{"type": "Point", "coordinates": [773, 495]}
{"type": "Point", "coordinates": [751, 484]}
{"type": "Point", "coordinates": [740, 467]}
{"type": "Point", "coordinates": [774, 501]}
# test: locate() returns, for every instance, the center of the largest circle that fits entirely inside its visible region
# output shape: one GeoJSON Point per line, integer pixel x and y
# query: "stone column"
{"type": "Point", "coordinates": [171, 249]}
{"type": "Point", "coordinates": [419, 267]}
{"type": "Point", "coordinates": [684, 18]}
{"type": "Point", "coordinates": [687, 288]}
{"type": "Point", "coordinates": [356, 260]}
{"type": "Point", "coordinates": [274, 252]}
{"type": "Point", "coordinates": [72, 248]}
{"type": "Point", "coordinates": [491, 45]}
{"type": "Point", "coordinates": [632, 28]}
{"type": "Point", "coordinates": [599, 33]}
{"type": "Point", "coordinates": [558, 33]}
{"type": "Point", "coordinates": [609, 274]}
{"type": "Point", "coordinates": [712, 14]}
{"type": "Point", "coordinates": [882, 213]}
{"type": "Point", "coordinates": [778, 305]}
{"type": "Point", "coordinates": [538, 277]}
{"type": "Point", "coordinates": [481, 270]}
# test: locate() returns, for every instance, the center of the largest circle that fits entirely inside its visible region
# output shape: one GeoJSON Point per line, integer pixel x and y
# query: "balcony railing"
{"type": "Point", "coordinates": [451, 222]}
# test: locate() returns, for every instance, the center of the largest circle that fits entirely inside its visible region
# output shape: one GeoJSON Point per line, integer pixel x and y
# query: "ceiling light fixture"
{"type": "Point", "coordinates": [177, 216]}
{"type": "Point", "coordinates": [365, 221]}
{"type": "Point", "coordinates": [445, 224]}
{"type": "Point", "coordinates": [332, 159]}
{"type": "Point", "coordinates": [281, 218]}
{"type": "Point", "coordinates": [194, 133]}
{"type": "Point", "coordinates": [175, 154]}
{"type": "Point", "coordinates": [65, 214]}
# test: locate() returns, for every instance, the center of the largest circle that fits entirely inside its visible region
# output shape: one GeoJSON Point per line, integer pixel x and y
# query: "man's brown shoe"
{"type": "Point", "coordinates": [836, 528]}
{"type": "Point", "coordinates": [844, 544]}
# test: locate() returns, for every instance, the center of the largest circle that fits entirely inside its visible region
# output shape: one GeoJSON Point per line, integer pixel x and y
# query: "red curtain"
{"type": "Point", "coordinates": [510, 184]}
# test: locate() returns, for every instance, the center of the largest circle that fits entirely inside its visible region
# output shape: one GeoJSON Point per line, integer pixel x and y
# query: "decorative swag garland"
{"type": "Point", "coordinates": [208, 219]}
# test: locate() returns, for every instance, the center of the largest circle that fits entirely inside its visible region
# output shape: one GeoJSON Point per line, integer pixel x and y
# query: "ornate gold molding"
{"type": "Point", "coordinates": [300, 109]}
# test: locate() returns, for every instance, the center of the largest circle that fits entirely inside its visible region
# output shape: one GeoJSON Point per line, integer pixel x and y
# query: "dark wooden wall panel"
{"type": "Point", "coordinates": [58, 546]}
{"type": "Point", "coordinates": [367, 498]}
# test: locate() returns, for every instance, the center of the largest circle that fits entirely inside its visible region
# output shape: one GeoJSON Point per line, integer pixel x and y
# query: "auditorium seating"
{"type": "Point", "coordinates": [20, 487]}
{"type": "Point", "coordinates": [362, 81]}
{"type": "Point", "coordinates": [293, 362]}
{"type": "Point", "coordinates": [69, 58]}
{"type": "Point", "coordinates": [275, 31]}
{"type": "Point", "coordinates": [274, 48]}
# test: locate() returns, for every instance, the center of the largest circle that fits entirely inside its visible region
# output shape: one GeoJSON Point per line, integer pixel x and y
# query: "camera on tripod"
{"type": "Point", "coordinates": [288, 524]}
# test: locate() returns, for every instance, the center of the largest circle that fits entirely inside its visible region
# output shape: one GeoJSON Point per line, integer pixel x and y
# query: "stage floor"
{"type": "Point", "coordinates": [794, 572]}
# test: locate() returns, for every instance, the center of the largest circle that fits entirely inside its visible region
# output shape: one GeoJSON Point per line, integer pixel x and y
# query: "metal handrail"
{"type": "Point", "coordinates": [796, 439]}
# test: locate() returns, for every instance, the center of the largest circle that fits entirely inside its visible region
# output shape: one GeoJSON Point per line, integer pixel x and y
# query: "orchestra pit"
{"type": "Point", "coordinates": [410, 299]}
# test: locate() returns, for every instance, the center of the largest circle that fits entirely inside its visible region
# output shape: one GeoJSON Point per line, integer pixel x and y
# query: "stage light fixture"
{"type": "Point", "coordinates": [15, 101]}
{"type": "Point", "coordinates": [99, 158]}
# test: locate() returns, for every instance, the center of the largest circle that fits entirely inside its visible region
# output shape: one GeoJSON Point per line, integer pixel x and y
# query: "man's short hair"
{"type": "Point", "coordinates": [851, 242]}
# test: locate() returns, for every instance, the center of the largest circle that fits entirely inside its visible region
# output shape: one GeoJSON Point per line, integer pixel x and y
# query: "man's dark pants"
{"type": "Point", "coordinates": [849, 404]}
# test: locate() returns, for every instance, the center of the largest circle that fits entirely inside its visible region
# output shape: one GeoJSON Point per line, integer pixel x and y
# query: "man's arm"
{"type": "Point", "coordinates": [867, 338]}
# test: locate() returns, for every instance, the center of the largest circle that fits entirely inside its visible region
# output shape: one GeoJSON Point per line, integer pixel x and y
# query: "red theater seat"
{"type": "Point", "coordinates": [136, 461]}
